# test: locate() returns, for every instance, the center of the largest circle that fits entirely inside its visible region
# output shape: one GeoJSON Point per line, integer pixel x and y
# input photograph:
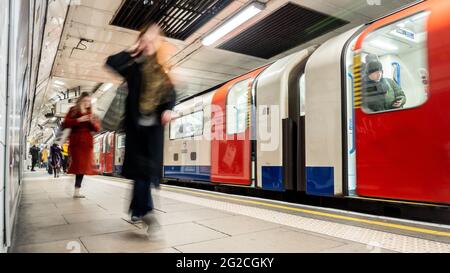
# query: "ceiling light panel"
{"type": "Point", "coordinates": [286, 28]}
{"type": "Point", "coordinates": [177, 18]}
{"type": "Point", "coordinates": [241, 17]}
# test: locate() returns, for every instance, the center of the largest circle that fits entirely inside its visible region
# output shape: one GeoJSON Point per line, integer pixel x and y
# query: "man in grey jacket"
{"type": "Point", "coordinates": [379, 93]}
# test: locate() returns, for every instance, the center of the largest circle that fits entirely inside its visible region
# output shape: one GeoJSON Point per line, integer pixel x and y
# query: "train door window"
{"type": "Point", "coordinates": [394, 66]}
{"type": "Point", "coordinates": [237, 107]}
{"type": "Point", "coordinates": [121, 141]}
{"type": "Point", "coordinates": [302, 87]}
{"type": "Point", "coordinates": [106, 145]}
{"type": "Point", "coordinates": [96, 146]}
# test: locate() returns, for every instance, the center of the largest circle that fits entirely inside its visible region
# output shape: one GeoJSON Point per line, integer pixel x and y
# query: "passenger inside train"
{"type": "Point", "coordinates": [380, 93]}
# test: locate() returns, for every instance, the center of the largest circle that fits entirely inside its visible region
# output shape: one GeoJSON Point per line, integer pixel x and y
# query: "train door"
{"type": "Point", "coordinates": [403, 128]}
{"type": "Point", "coordinates": [102, 153]}
{"type": "Point", "coordinates": [231, 132]}
{"type": "Point", "coordinates": [119, 152]}
{"type": "Point", "coordinates": [109, 153]}
{"type": "Point", "coordinates": [97, 151]}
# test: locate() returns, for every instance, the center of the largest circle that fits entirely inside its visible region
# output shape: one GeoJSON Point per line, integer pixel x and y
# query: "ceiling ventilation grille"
{"type": "Point", "coordinates": [289, 26]}
{"type": "Point", "coordinates": [177, 18]}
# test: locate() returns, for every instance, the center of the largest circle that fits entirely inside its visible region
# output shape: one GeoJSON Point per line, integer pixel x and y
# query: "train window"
{"type": "Point", "coordinates": [175, 157]}
{"type": "Point", "coordinates": [193, 124]}
{"type": "Point", "coordinates": [106, 143]}
{"type": "Point", "coordinates": [121, 141]}
{"type": "Point", "coordinates": [96, 146]}
{"type": "Point", "coordinates": [175, 127]}
{"type": "Point", "coordinates": [187, 126]}
{"type": "Point", "coordinates": [193, 156]}
{"type": "Point", "coordinates": [394, 66]}
{"type": "Point", "coordinates": [237, 107]}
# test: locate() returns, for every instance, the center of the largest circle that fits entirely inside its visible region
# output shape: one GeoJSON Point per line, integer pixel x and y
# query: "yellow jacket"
{"type": "Point", "coordinates": [65, 149]}
{"type": "Point", "coordinates": [44, 155]}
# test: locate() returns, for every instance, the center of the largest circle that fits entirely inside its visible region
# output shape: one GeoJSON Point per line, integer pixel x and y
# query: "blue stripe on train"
{"type": "Point", "coordinates": [188, 172]}
{"type": "Point", "coordinates": [117, 169]}
{"type": "Point", "coordinates": [320, 180]}
{"type": "Point", "coordinates": [272, 178]}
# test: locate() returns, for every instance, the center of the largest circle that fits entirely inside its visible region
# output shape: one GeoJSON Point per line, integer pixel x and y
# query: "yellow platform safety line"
{"type": "Point", "coordinates": [325, 214]}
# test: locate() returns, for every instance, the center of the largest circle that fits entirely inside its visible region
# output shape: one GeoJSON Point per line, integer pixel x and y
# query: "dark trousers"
{"type": "Point", "coordinates": [33, 163]}
{"type": "Point", "coordinates": [64, 163]}
{"type": "Point", "coordinates": [142, 202]}
{"type": "Point", "coordinates": [56, 171]}
{"type": "Point", "coordinates": [78, 180]}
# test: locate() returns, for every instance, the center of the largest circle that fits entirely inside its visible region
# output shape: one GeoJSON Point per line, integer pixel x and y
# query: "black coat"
{"type": "Point", "coordinates": [144, 145]}
{"type": "Point", "coordinates": [34, 151]}
{"type": "Point", "coordinates": [55, 156]}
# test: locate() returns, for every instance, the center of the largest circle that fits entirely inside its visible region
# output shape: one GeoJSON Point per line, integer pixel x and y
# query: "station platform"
{"type": "Point", "coordinates": [49, 220]}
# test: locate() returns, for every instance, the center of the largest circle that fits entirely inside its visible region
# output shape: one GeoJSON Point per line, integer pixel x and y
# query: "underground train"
{"type": "Point", "coordinates": [302, 123]}
{"type": "Point", "coordinates": [109, 150]}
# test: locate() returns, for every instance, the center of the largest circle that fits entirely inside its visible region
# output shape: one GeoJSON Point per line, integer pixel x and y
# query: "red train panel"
{"type": "Point", "coordinates": [231, 149]}
{"type": "Point", "coordinates": [108, 153]}
{"type": "Point", "coordinates": [406, 154]}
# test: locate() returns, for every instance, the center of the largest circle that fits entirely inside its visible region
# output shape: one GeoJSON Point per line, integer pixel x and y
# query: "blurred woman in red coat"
{"type": "Point", "coordinates": [81, 143]}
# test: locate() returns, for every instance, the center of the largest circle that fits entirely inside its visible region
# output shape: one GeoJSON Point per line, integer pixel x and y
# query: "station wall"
{"type": "Point", "coordinates": [21, 30]}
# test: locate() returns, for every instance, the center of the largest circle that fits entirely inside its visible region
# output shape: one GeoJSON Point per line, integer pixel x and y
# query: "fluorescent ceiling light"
{"type": "Point", "coordinates": [420, 16]}
{"type": "Point", "coordinates": [56, 98]}
{"type": "Point", "coordinates": [59, 83]}
{"type": "Point", "coordinates": [383, 45]}
{"type": "Point", "coordinates": [237, 20]}
{"type": "Point", "coordinates": [107, 86]}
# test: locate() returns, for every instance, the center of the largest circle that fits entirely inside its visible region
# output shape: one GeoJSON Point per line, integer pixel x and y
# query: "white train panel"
{"type": "Point", "coordinates": [272, 98]}
{"type": "Point", "coordinates": [324, 118]}
{"type": "Point", "coordinates": [119, 153]}
{"type": "Point", "coordinates": [187, 147]}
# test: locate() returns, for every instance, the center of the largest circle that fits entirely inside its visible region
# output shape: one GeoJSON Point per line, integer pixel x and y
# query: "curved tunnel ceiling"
{"type": "Point", "coordinates": [196, 67]}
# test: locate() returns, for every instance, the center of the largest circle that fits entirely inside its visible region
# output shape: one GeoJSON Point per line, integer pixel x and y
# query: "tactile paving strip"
{"type": "Point", "coordinates": [374, 239]}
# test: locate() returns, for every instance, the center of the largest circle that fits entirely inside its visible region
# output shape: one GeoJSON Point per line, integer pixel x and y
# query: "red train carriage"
{"type": "Point", "coordinates": [108, 153]}
{"type": "Point", "coordinates": [231, 131]}
{"type": "Point", "coordinates": [104, 149]}
{"type": "Point", "coordinates": [405, 154]}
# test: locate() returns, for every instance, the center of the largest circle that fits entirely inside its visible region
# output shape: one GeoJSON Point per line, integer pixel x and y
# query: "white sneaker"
{"type": "Point", "coordinates": [136, 219]}
{"type": "Point", "coordinates": [150, 222]}
{"type": "Point", "coordinates": [77, 194]}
